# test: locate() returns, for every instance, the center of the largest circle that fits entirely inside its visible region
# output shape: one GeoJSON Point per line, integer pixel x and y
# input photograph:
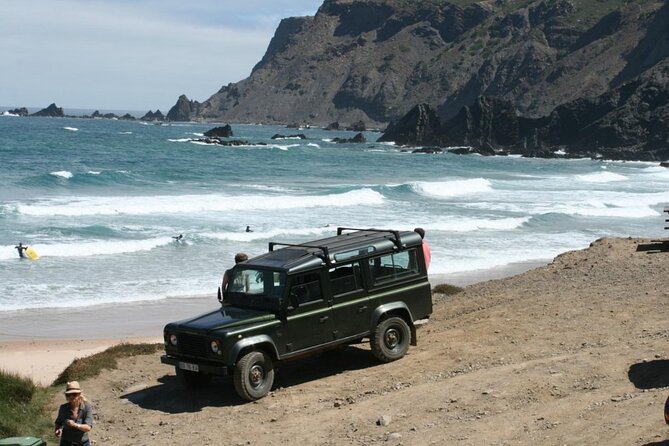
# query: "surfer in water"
{"type": "Point", "coordinates": [21, 249]}
{"type": "Point", "coordinates": [248, 229]}
{"type": "Point", "coordinates": [178, 238]}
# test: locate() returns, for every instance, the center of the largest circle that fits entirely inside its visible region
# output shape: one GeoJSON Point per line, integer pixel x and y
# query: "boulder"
{"type": "Point", "coordinates": [153, 116]}
{"type": "Point", "coordinates": [220, 132]}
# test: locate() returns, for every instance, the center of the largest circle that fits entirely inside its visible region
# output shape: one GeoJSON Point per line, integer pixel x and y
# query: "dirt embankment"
{"type": "Point", "coordinates": [571, 353]}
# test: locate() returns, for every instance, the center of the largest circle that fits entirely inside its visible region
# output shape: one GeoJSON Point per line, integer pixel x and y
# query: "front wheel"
{"type": "Point", "coordinates": [390, 340]}
{"type": "Point", "coordinates": [254, 375]}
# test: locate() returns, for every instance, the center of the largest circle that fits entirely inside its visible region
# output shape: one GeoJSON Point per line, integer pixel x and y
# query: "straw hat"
{"type": "Point", "coordinates": [72, 387]}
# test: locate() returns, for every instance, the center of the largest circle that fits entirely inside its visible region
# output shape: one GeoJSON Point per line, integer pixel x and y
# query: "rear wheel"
{"type": "Point", "coordinates": [254, 375]}
{"type": "Point", "coordinates": [193, 380]}
{"type": "Point", "coordinates": [390, 340]}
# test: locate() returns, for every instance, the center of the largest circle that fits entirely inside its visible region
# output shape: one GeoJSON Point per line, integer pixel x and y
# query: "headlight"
{"type": "Point", "coordinates": [216, 347]}
{"type": "Point", "coordinates": [173, 340]}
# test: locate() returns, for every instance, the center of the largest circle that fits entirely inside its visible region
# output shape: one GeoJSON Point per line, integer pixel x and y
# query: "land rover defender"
{"type": "Point", "coordinates": [299, 299]}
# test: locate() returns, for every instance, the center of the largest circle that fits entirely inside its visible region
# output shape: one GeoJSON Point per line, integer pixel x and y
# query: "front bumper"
{"type": "Point", "coordinates": [203, 367]}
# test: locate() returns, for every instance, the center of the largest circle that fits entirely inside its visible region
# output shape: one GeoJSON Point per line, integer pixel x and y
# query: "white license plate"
{"type": "Point", "coordinates": [188, 366]}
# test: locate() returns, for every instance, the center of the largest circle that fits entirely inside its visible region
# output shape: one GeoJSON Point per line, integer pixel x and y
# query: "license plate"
{"type": "Point", "coordinates": [188, 366]}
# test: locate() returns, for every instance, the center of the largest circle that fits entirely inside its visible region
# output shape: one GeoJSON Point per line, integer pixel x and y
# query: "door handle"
{"type": "Point", "coordinates": [362, 309]}
{"type": "Point", "coordinates": [323, 319]}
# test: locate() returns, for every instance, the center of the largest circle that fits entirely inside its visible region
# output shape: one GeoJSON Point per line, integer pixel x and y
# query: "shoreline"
{"type": "Point", "coordinates": [40, 343]}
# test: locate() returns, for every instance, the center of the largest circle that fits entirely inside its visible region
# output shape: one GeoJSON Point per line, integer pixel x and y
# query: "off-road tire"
{"type": "Point", "coordinates": [192, 380]}
{"type": "Point", "coordinates": [390, 339]}
{"type": "Point", "coordinates": [254, 375]}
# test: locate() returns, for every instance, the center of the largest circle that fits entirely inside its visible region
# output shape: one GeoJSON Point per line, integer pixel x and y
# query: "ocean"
{"type": "Point", "coordinates": [101, 200]}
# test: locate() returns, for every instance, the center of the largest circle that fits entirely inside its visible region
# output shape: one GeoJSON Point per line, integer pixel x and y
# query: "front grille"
{"type": "Point", "coordinates": [192, 345]}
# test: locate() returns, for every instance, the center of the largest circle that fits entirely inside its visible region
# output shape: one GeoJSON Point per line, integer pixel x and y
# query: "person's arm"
{"type": "Point", "coordinates": [226, 279]}
{"type": "Point", "coordinates": [59, 423]}
{"type": "Point", "coordinates": [87, 425]}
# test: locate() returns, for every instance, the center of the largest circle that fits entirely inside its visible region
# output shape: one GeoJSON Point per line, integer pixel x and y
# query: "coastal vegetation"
{"type": "Point", "coordinates": [90, 366]}
{"type": "Point", "coordinates": [26, 408]}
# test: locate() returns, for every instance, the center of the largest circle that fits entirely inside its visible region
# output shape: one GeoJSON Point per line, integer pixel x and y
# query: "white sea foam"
{"type": "Point", "coordinates": [125, 133]}
{"type": "Point", "coordinates": [452, 188]}
{"type": "Point", "coordinates": [180, 140]}
{"type": "Point", "coordinates": [71, 129]}
{"type": "Point", "coordinates": [311, 144]}
{"type": "Point", "coordinates": [601, 177]}
{"type": "Point", "coordinates": [93, 172]}
{"type": "Point", "coordinates": [193, 204]}
{"type": "Point", "coordinates": [464, 224]}
{"type": "Point", "coordinates": [89, 248]}
{"type": "Point", "coordinates": [6, 113]}
{"type": "Point", "coordinates": [62, 174]}
{"type": "Point", "coordinates": [274, 233]}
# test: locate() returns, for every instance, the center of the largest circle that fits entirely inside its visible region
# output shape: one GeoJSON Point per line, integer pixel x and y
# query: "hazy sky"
{"type": "Point", "coordinates": [132, 54]}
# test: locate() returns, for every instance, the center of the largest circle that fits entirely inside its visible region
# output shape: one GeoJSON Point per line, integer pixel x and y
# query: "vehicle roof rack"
{"type": "Point", "coordinates": [396, 234]}
{"type": "Point", "coordinates": [325, 256]}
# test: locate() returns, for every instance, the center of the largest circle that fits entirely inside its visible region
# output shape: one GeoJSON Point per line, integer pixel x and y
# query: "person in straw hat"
{"type": "Point", "coordinates": [75, 418]}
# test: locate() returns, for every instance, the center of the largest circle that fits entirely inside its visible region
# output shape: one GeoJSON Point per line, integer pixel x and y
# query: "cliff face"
{"type": "Point", "coordinates": [374, 60]}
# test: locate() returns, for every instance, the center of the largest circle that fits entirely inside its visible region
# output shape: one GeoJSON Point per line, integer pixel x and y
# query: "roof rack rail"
{"type": "Point", "coordinates": [396, 240]}
{"type": "Point", "coordinates": [325, 256]}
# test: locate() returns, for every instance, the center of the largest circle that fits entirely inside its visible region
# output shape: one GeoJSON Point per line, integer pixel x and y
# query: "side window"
{"type": "Point", "coordinates": [345, 278]}
{"type": "Point", "coordinates": [306, 288]}
{"type": "Point", "coordinates": [393, 266]}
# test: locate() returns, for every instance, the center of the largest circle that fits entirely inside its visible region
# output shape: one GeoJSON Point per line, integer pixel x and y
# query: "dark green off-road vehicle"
{"type": "Point", "coordinates": [306, 298]}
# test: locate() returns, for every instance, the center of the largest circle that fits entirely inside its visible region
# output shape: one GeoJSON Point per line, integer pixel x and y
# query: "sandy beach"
{"type": "Point", "coordinates": [572, 352]}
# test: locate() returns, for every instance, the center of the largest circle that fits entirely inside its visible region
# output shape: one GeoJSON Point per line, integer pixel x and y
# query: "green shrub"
{"type": "Point", "coordinates": [24, 407]}
{"type": "Point", "coordinates": [445, 288]}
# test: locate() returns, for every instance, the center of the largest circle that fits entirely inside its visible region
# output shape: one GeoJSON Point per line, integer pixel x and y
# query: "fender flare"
{"type": "Point", "coordinates": [394, 307]}
{"type": "Point", "coordinates": [252, 341]}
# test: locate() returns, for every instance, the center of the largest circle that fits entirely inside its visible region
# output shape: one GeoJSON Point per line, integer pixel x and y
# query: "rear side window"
{"type": "Point", "coordinates": [394, 266]}
{"type": "Point", "coordinates": [306, 288]}
{"type": "Point", "coordinates": [345, 278]}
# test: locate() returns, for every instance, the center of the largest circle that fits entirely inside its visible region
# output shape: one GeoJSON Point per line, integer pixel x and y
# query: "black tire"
{"type": "Point", "coordinates": [192, 380]}
{"type": "Point", "coordinates": [254, 375]}
{"type": "Point", "coordinates": [390, 339]}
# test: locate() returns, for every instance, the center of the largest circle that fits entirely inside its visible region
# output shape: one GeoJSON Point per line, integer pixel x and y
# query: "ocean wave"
{"type": "Point", "coordinates": [71, 129]}
{"type": "Point", "coordinates": [601, 177]}
{"type": "Point", "coordinates": [273, 234]}
{"type": "Point", "coordinates": [62, 174]}
{"type": "Point", "coordinates": [464, 224]}
{"type": "Point", "coordinates": [89, 248]}
{"type": "Point", "coordinates": [452, 188]}
{"type": "Point", "coordinates": [192, 204]}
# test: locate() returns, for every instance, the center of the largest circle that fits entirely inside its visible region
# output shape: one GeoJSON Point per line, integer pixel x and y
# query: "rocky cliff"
{"type": "Point", "coordinates": [374, 60]}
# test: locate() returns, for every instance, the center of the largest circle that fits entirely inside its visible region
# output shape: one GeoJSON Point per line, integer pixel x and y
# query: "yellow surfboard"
{"type": "Point", "coordinates": [31, 253]}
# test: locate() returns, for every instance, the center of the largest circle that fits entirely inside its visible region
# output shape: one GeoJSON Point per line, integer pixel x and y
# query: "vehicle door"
{"type": "Point", "coordinates": [350, 302]}
{"type": "Point", "coordinates": [309, 315]}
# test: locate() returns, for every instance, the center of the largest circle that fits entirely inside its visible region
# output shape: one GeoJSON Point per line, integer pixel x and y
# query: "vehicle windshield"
{"type": "Point", "coordinates": [257, 288]}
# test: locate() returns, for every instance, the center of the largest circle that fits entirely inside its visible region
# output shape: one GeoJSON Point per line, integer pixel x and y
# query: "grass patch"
{"type": "Point", "coordinates": [447, 289]}
{"type": "Point", "coordinates": [24, 407]}
{"type": "Point", "coordinates": [90, 366]}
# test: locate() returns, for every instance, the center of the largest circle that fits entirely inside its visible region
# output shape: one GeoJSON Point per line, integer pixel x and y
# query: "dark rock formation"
{"type": "Point", "coordinates": [153, 116]}
{"type": "Point", "coordinates": [51, 111]}
{"type": "Point", "coordinates": [298, 136]}
{"type": "Point", "coordinates": [626, 123]}
{"type": "Point", "coordinates": [219, 132]}
{"type": "Point", "coordinates": [127, 117]}
{"type": "Point", "coordinates": [332, 126]}
{"type": "Point", "coordinates": [357, 126]}
{"type": "Point", "coordinates": [359, 138]}
{"type": "Point", "coordinates": [19, 111]}
{"type": "Point", "coordinates": [183, 110]}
